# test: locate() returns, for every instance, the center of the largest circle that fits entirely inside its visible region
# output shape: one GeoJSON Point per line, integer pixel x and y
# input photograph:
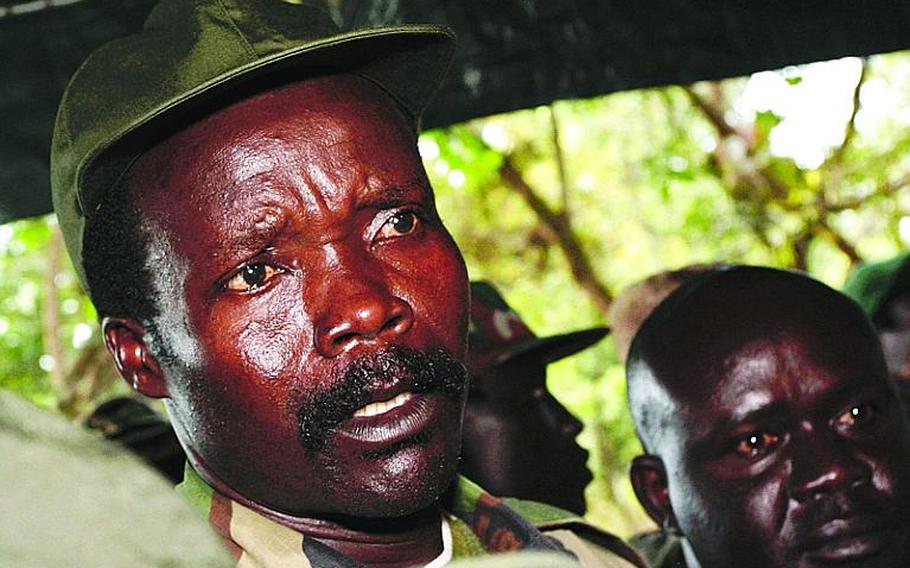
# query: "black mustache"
{"type": "Point", "coordinates": [437, 371]}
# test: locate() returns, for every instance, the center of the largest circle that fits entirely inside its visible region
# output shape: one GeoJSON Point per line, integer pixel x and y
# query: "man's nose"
{"type": "Point", "coordinates": [359, 308]}
{"type": "Point", "coordinates": [571, 426]}
{"type": "Point", "coordinates": [825, 464]}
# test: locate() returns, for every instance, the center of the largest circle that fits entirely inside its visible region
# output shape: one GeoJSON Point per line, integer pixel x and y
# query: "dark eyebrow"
{"type": "Point", "coordinates": [862, 387]}
{"type": "Point", "coordinates": [762, 413]}
{"type": "Point", "coordinates": [250, 239]}
{"type": "Point", "coordinates": [413, 190]}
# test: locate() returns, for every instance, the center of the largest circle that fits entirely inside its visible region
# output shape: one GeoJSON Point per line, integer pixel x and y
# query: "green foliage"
{"type": "Point", "coordinates": [27, 361]}
{"type": "Point", "coordinates": [23, 264]}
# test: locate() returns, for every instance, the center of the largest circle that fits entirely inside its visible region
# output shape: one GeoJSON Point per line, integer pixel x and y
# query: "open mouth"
{"type": "Point", "coordinates": [388, 396]}
{"type": "Point", "coordinates": [383, 406]}
{"type": "Point", "coordinates": [391, 421]}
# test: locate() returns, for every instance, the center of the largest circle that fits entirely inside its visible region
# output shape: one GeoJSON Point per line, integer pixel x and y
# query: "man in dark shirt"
{"type": "Point", "coordinates": [773, 433]}
{"type": "Point", "coordinates": [519, 440]}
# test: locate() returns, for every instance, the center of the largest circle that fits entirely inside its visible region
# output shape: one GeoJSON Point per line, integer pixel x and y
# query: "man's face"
{"type": "Point", "coordinates": [313, 306]}
{"type": "Point", "coordinates": [791, 451]}
{"type": "Point", "coordinates": [520, 441]}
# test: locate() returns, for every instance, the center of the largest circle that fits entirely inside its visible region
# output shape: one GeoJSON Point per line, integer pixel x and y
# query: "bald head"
{"type": "Point", "coordinates": [692, 337]}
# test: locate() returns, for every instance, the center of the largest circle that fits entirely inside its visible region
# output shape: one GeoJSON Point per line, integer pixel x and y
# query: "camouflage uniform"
{"type": "Point", "coordinates": [659, 549]}
{"type": "Point", "coordinates": [480, 524]}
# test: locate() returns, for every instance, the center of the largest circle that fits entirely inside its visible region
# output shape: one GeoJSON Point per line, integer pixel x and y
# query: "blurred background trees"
{"type": "Point", "coordinates": [564, 205]}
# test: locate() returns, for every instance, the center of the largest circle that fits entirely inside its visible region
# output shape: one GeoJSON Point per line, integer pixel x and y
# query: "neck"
{"type": "Point", "coordinates": [389, 543]}
{"type": "Point", "coordinates": [410, 540]}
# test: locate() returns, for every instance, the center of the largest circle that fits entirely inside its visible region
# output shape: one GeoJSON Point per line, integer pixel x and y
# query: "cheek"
{"type": "Point", "coordinates": [272, 344]}
{"type": "Point", "coordinates": [254, 351]}
{"type": "Point", "coordinates": [891, 473]}
{"type": "Point", "coordinates": [765, 507]}
{"type": "Point", "coordinates": [439, 292]}
{"type": "Point", "coordinates": [488, 444]}
{"type": "Point", "coordinates": [746, 513]}
{"type": "Point", "coordinates": [886, 452]}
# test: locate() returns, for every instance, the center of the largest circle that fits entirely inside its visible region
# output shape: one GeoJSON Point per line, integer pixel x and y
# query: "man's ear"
{"type": "Point", "coordinates": [649, 480]}
{"type": "Point", "coordinates": [138, 367]}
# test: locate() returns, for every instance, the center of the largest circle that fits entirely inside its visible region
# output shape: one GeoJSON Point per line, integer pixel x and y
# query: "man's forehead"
{"type": "Point", "coordinates": [722, 364]}
{"type": "Point", "coordinates": [307, 130]}
{"type": "Point", "coordinates": [754, 374]}
{"type": "Point", "coordinates": [782, 379]}
{"type": "Point", "coordinates": [735, 312]}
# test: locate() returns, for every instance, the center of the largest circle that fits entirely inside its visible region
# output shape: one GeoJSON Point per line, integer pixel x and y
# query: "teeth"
{"type": "Point", "coordinates": [383, 406]}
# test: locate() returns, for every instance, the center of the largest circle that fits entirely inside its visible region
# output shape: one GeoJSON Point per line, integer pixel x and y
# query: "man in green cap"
{"type": "Point", "coordinates": [882, 289]}
{"type": "Point", "coordinates": [239, 188]}
{"type": "Point", "coordinates": [512, 420]}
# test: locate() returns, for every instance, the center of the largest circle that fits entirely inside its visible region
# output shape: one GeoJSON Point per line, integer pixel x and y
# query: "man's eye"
{"type": "Point", "coordinates": [756, 444]}
{"type": "Point", "coordinates": [399, 224]}
{"type": "Point", "coordinates": [251, 277]}
{"type": "Point", "coordinates": [856, 415]}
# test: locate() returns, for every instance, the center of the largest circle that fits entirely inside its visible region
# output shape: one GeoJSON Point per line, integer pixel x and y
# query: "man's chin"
{"type": "Point", "coordinates": [885, 549]}
{"type": "Point", "coordinates": [381, 470]}
{"type": "Point", "coordinates": [409, 480]}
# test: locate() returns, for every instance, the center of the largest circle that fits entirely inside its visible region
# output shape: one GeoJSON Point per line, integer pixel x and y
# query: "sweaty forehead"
{"type": "Point", "coordinates": [784, 368]}
{"type": "Point", "coordinates": [737, 328]}
{"type": "Point", "coordinates": [307, 146]}
{"type": "Point", "coordinates": [314, 115]}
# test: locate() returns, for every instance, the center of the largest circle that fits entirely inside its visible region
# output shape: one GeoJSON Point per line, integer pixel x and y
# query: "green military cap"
{"type": "Point", "coordinates": [190, 52]}
{"type": "Point", "coordinates": [497, 334]}
{"type": "Point", "coordinates": [872, 284]}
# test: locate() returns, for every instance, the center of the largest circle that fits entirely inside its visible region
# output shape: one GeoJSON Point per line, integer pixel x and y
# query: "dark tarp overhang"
{"type": "Point", "coordinates": [512, 54]}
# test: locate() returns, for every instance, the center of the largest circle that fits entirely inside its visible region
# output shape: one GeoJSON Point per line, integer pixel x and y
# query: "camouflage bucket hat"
{"type": "Point", "coordinates": [189, 53]}
{"type": "Point", "coordinates": [497, 334]}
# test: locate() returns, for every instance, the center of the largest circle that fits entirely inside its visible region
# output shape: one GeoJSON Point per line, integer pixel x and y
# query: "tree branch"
{"type": "Point", "coordinates": [560, 231]}
{"type": "Point", "coordinates": [50, 321]}
{"type": "Point", "coordinates": [713, 113]}
{"type": "Point", "coordinates": [837, 156]}
{"type": "Point", "coordinates": [560, 163]}
{"type": "Point", "coordinates": [759, 178]}
{"type": "Point", "coordinates": [884, 190]}
{"type": "Point", "coordinates": [825, 230]}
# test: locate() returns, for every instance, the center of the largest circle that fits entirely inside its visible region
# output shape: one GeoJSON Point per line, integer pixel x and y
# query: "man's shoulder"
{"type": "Point", "coordinates": [506, 524]}
{"type": "Point", "coordinates": [659, 549]}
{"type": "Point", "coordinates": [592, 545]}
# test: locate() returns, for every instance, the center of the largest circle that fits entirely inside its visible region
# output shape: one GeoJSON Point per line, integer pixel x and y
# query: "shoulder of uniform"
{"type": "Point", "coordinates": [659, 549]}
{"type": "Point", "coordinates": [540, 513]}
{"type": "Point", "coordinates": [593, 546]}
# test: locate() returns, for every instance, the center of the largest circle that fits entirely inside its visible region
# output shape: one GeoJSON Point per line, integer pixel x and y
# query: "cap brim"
{"type": "Point", "coordinates": [414, 55]}
{"type": "Point", "coordinates": [555, 347]}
